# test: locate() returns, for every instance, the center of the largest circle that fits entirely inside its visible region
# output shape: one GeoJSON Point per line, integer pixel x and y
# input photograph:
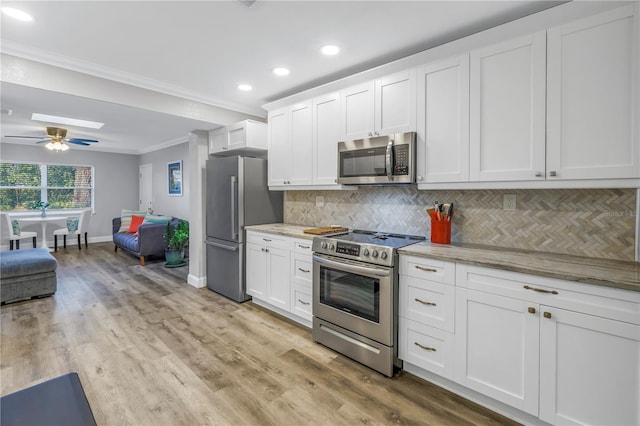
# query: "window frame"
{"type": "Point", "coordinates": [44, 188]}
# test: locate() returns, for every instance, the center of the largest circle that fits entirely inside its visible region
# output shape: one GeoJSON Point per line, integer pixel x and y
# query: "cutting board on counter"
{"type": "Point", "coordinates": [325, 230]}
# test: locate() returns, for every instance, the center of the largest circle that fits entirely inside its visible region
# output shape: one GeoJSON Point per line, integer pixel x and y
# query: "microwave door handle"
{"type": "Point", "coordinates": [363, 270]}
{"type": "Point", "coordinates": [388, 159]}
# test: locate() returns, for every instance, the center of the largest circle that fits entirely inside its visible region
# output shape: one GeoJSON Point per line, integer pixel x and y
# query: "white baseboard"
{"type": "Point", "coordinates": [197, 282]}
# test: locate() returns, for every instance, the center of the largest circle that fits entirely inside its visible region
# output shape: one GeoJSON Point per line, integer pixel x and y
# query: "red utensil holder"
{"type": "Point", "coordinates": [441, 231]}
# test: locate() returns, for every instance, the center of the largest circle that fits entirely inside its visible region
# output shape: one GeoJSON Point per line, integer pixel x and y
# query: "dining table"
{"type": "Point", "coordinates": [43, 221]}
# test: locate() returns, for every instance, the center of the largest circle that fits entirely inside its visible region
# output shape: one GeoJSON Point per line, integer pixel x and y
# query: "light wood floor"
{"type": "Point", "coordinates": [152, 350]}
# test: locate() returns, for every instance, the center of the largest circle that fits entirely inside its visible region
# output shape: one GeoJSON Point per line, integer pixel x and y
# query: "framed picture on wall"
{"type": "Point", "coordinates": [174, 174]}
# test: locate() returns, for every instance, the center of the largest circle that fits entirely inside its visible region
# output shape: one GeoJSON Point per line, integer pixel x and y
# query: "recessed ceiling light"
{"type": "Point", "coordinates": [66, 120]}
{"type": "Point", "coordinates": [281, 71]}
{"type": "Point", "coordinates": [17, 14]}
{"type": "Point", "coordinates": [330, 50]}
{"type": "Point", "coordinates": [245, 87]}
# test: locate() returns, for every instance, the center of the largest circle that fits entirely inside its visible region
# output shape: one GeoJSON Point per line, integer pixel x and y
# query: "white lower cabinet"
{"type": "Point", "coordinates": [267, 266]}
{"type": "Point", "coordinates": [562, 351]}
{"type": "Point", "coordinates": [279, 271]}
{"type": "Point", "coordinates": [589, 369]}
{"type": "Point", "coordinates": [497, 348]}
{"type": "Point", "coordinates": [426, 314]}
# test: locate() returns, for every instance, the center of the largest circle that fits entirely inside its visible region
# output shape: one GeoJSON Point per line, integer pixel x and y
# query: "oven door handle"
{"type": "Point", "coordinates": [363, 270]}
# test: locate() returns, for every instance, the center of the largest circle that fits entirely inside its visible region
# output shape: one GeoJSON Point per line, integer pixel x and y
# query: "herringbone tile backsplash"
{"type": "Point", "coordinates": [584, 222]}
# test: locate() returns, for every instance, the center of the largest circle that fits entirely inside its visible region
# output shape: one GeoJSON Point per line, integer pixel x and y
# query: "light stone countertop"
{"type": "Point", "coordinates": [285, 229]}
{"type": "Point", "coordinates": [604, 272]}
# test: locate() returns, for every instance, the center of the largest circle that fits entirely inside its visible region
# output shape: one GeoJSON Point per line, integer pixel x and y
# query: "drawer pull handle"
{"type": "Point", "coordinates": [424, 303]}
{"type": "Point", "coordinates": [539, 290]}
{"type": "Point", "coordinates": [303, 302]}
{"type": "Point", "coordinates": [422, 268]}
{"type": "Point", "coordinates": [532, 310]}
{"type": "Point", "coordinates": [306, 271]}
{"type": "Point", "coordinates": [426, 348]}
{"type": "Point", "coordinates": [266, 239]}
{"type": "Point", "coordinates": [304, 247]}
{"type": "Point", "coordinates": [547, 314]}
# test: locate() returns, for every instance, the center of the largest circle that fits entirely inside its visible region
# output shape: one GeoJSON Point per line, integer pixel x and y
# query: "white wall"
{"type": "Point", "coordinates": [116, 182]}
{"type": "Point", "coordinates": [161, 201]}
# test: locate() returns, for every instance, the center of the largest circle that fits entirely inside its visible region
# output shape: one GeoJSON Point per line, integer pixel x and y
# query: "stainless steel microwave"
{"type": "Point", "coordinates": [383, 160]}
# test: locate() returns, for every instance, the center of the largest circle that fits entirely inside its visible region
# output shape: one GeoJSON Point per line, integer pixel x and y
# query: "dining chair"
{"type": "Point", "coordinates": [7, 225]}
{"type": "Point", "coordinates": [83, 226]}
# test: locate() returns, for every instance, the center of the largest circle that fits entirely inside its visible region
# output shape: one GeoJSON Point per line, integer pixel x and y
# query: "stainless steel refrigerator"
{"type": "Point", "coordinates": [237, 196]}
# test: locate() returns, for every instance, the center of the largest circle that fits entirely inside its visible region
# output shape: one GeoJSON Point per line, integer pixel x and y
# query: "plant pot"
{"type": "Point", "coordinates": [174, 257]}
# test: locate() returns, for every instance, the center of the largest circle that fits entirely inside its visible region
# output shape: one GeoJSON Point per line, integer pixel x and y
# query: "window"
{"type": "Point", "coordinates": [62, 186]}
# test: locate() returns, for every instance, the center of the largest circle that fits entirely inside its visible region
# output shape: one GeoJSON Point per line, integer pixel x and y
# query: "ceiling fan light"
{"type": "Point", "coordinates": [57, 146]}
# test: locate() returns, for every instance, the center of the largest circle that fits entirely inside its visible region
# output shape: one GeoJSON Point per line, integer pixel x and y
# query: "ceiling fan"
{"type": "Point", "coordinates": [57, 139]}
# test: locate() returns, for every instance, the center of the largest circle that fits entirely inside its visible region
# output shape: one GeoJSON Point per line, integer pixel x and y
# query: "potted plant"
{"type": "Point", "coordinates": [42, 206]}
{"type": "Point", "coordinates": [177, 237]}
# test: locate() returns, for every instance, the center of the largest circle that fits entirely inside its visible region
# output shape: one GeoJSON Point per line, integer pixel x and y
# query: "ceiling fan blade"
{"type": "Point", "coordinates": [25, 137]}
{"type": "Point", "coordinates": [44, 140]}
{"type": "Point", "coordinates": [76, 140]}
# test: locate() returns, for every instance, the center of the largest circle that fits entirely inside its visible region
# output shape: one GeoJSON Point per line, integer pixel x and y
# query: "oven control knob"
{"type": "Point", "coordinates": [374, 253]}
{"type": "Point", "coordinates": [365, 252]}
{"type": "Point", "coordinates": [331, 246]}
{"type": "Point", "coordinates": [383, 255]}
{"type": "Point", "coordinates": [323, 244]}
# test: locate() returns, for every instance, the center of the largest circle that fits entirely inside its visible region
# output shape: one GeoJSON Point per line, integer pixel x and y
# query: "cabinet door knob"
{"type": "Point", "coordinates": [553, 173]}
{"type": "Point", "coordinates": [424, 303]}
{"type": "Point", "coordinates": [532, 310]}
{"type": "Point", "coordinates": [539, 174]}
{"type": "Point", "coordinates": [370, 134]}
{"type": "Point", "coordinates": [547, 314]}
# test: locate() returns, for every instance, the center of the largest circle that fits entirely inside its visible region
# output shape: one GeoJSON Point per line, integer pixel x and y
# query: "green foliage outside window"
{"type": "Point", "coordinates": [63, 187]}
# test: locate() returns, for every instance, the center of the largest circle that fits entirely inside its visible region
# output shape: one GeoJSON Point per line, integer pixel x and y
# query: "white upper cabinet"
{"type": "Point", "coordinates": [380, 107]}
{"type": "Point", "coordinates": [326, 134]}
{"type": "Point", "coordinates": [357, 111]}
{"type": "Point", "coordinates": [279, 147]}
{"type": "Point", "coordinates": [290, 145]}
{"type": "Point", "coordinates": [217, 140]}
{"type": "Point", "coordinates": [245, 136]}
{"type": "Point", "coordinates": [395, 103]}
{"type": "Point", "coordinates": [443, 121]}
{"type": "Point", "coordinates": [301, 144]}
{"type": "Point", "coordinates": [507, 110]}
{"type": "Point", "coordinates": [592, 90]}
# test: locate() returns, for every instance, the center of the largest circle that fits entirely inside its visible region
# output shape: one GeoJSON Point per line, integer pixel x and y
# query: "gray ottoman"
{"type": "Point", "coordinates": [26, 273]}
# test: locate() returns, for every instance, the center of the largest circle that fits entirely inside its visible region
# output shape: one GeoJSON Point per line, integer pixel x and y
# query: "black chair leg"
{"type": "Point", "coordinates": [64, 241]}
{"type": "Point", "coordinates": [55, 243]}
{"type": "Point", "coordinates": [11, 245]}
{"type": "Point", "coordinates": [79, 243]}
{"type": "Point", "coordinates": [17, 244]}
{"type": "Point", "coordinates": [34, 242]}
{"type": "Point", "coordinates": [86, 242]}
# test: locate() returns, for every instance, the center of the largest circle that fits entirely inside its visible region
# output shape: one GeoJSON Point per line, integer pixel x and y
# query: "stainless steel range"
{"type": "Point", "coordinates": [355, 295]}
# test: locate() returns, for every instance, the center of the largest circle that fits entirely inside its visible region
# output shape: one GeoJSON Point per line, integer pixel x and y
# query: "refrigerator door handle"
{"type": "Point", "coordinates": [234, 201]}
{"type": "Point", "coordinates": [222, 246]}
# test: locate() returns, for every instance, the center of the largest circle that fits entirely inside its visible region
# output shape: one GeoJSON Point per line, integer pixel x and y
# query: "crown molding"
{"type": "Point", "coordinates": [164, 145]}
{"type": "Point", "coordinates": [49, 58]}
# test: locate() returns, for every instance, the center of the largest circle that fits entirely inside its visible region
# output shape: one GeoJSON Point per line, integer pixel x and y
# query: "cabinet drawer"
{"type": "Point", "coordinates": [426, 347]}
{"type": "Point", "coordinates": [301, 302]}
{"type": "Point", "coordinates": [427, 302]}
{"type": "Point", "coordinates": [269, 240]}
{"type": "Point", "coordinates": [301, 246]}
{"type": "Point", "coordinates": [302, 270]}
{"type": "Point", "coordinates": [428, 269]}
{"type": "Point", "coordinates": [612, 303]}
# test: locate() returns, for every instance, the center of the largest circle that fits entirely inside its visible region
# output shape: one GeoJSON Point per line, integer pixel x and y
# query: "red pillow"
{"type": "Point", "coordinates": [136, 221]}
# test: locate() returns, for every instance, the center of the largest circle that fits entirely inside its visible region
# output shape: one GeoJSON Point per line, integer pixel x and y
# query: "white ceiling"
{"type": "Point", "coordinates": [201, 50]}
